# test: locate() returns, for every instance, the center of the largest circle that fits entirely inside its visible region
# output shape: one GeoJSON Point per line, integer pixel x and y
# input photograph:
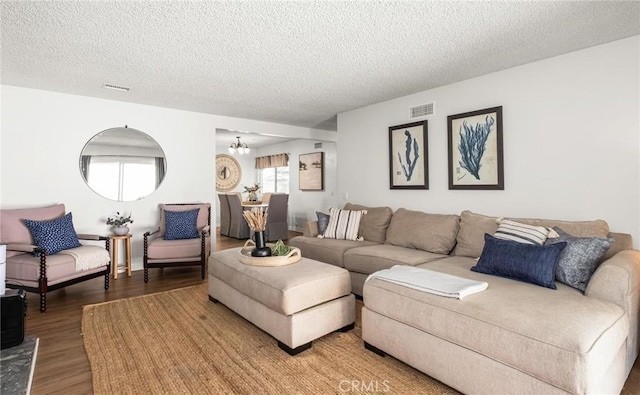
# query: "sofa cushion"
{"type": "Point", "coordinates": [370, 259]}
{"type": "Point", "coordinates": [343, 224]}
{"type": "Point", "coordinates": [326, 250]}
{"type": "Point", "coordinates": [473, 226]}
{"type": "Point", "coordinates": [160, 248]}
{"type": "Point", "coordinates": [54, 235]}
{"type": "Point", "coordinates": [470, 238]}
{"type": "Point", "coordinates": [428, 232]}
{"type": "Point", "coordinates": [579, 259]}
{"type": "Point", "coordinates": [520, 261]}
{"type": "Point", "coordinates": [522, 233]}
{"type": "Point", "coordinates": [514, 323]}
{"type": "Point", "coordinates": [24, 270]}
{"type": "Point", "coordinates": [595, 228]}
{"type": "Point", "coordinates": [14, 231]}
{"type": "Point", "coordinates": [181, 225]}
{"type": "Point", "coordinates": [374, 225]}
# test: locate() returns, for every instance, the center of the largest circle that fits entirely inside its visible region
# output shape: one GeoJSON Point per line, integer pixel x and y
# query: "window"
{"type": "Point", "coordinates": [275, 179]}
{"type": "Point", "coordinates": [122, 178]}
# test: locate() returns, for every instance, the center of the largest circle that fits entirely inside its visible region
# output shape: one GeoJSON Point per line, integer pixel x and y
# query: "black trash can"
{"type": "Point", "coordinates": [13, 309]}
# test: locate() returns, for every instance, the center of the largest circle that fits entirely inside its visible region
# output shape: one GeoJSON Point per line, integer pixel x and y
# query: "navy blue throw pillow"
{"type": "Point", "coordinates": [534, 264]}
{"type": "Point", "coordinates": [53, 235]}
{"type": "Point", "coordinates": [181, 225]}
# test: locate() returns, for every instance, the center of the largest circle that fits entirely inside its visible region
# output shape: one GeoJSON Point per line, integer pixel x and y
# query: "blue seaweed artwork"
{"type": "Point", "coordinates": [410, 166]}
{"type": "Point", "coordinates": [473, 142]}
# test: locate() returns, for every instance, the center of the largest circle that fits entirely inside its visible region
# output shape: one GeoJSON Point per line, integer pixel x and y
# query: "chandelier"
{"type": "Point", "coordinates": [238, 147]}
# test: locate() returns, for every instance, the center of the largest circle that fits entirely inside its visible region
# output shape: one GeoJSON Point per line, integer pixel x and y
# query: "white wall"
{"type": "Point", "coordinates": [302, 204]}
{"type": "Point", "coordinates": [43, 134]}
{"type": "Point", "coordinates": [571, 141]}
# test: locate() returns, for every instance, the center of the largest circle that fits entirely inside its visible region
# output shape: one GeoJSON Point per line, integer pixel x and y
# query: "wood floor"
{"type": "Point", "coordinates": [62, 366]}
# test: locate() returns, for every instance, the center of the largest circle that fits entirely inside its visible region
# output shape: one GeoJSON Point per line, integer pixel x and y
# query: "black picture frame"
{"type": "Point", "coordinates": [311, 171]}
{"type": "Point", "coordinates": [409, 156]}
{"type": "Point", "coordinates": [475, 150]}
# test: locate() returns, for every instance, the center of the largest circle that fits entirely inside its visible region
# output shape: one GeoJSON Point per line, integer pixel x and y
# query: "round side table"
{"type": "Point", "coordinates": [127, 254]}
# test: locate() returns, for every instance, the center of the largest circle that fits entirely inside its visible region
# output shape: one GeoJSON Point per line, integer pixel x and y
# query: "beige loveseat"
{"type": "Point", "coordinates": [513, 337]}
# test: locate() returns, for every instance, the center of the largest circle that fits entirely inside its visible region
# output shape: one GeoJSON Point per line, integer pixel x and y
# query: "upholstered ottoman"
{"type": "Point", "coordinates": [296, 303]}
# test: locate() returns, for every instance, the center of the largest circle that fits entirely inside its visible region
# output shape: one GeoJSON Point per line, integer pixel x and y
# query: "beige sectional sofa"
{"type": "Point", "coordinates": [514, 337]}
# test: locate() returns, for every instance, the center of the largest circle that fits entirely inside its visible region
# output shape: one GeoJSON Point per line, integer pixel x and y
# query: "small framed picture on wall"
{"type": "Point", "coordinates": [311, 171]}
{"type": "Point", "coordinates": [408, 156]}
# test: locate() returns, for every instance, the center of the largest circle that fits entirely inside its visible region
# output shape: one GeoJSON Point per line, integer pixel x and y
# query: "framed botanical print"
{"type": "Point", "coordinates": [311, 171]}
{"type": "Point", "coordinates": [408, 156]}
{"type": "Point", "coordinates": [475, 150]}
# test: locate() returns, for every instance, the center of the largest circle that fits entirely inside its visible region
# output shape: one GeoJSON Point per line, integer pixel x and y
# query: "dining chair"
{"type": "Point", "coordinates": [225, 214]}
{"type": "Point", "coordinates": [238, 227]}
{"type": "Point", "coordinates": [277, 225]}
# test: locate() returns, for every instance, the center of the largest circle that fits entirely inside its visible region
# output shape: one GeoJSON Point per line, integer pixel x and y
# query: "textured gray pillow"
{"type": "Point", "coordinates": [323, 221]}
{"type": "Point", "coordinates": [579, 259]}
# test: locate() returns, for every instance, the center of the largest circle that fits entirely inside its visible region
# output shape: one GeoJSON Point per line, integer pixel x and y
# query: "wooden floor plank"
{"type": "Point", "coordinates": [62, 366]}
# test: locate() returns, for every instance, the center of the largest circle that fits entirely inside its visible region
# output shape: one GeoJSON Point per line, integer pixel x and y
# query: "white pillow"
{"type": "Point", "coordinates": [343, 224]}
{"type": "Point", "coordinates": [522, 233]}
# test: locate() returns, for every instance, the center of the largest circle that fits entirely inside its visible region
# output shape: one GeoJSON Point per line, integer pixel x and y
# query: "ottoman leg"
{"type": "Point", "coordinates": [294, 351]}
{"type": "Point", "coordinates": [347, 328]}
{"type": "Point", "coordinates": [214, 300]}
{"type": "Point", "coordinates": [374, 349]}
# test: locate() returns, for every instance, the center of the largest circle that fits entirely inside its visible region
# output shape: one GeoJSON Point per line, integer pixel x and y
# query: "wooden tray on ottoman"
{"type": "Point", "coordinates": [245, 256]}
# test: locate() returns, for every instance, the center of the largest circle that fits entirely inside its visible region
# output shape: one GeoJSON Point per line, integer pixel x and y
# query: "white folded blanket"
{"type": "Point", "coordinates": [430, 281]}
{"type": "Point", "coordinates": [88, 257]}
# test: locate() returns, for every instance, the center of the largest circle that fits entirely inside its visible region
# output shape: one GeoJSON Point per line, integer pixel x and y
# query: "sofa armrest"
{"type": "Point", "coordinates": [617, 278]}
{"type": "Point", "coordinates": [205, 230]}
{"type": "Point", "coordinates": [310, 229]}
{"type": "Point", "coordinates": [22, 247]}
{"type": "Point", "coordinates": [150, 233]}
{"type": "Point", "coordinates": [87, 236]}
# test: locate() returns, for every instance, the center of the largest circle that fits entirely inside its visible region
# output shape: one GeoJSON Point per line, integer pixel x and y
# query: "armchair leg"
{"type": "Point", "coordinates": [202, 271]}
{"type": "Point", "coordinates": [43, 302]}
{"type": "Point", "coordinates": [106, 280]}
{"type": "Point", "coordinates": [146, 275]}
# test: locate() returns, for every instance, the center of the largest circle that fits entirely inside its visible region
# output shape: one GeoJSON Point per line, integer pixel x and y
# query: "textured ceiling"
{"type": "Point", "coordinates": [297, 63]}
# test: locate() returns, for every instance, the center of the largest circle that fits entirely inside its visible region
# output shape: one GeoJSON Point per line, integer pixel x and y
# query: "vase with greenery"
{"type": "Point", "coordinates": [252, 192]}
{"type": "Point", "coordinates": [119, 223]}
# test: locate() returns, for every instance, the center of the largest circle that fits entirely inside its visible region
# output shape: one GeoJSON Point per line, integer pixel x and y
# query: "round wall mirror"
{"type": "Point", "coordinates": [123, 164]}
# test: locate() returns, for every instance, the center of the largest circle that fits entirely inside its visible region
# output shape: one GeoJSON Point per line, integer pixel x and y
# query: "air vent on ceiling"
{"type": "Point", "coordinates": [116, 87]}
{"type": "Point", "coordinates": [317, 145]}
{"type": "Point", "coordinates": [423, 110]}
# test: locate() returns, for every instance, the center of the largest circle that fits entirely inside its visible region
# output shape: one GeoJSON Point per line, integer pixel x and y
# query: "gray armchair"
{"type": "Point", "coordinates": [277, 225]}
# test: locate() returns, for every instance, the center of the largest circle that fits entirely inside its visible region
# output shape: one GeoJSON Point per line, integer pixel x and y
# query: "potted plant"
{"type": "Point", "coordinates": [119, 222]}
{"type": "Point", "coordinates": [252, 192]}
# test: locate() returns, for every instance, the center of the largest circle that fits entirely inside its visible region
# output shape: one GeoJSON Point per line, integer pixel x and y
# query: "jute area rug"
{"type": "Point", "coordinates": [178, 342]}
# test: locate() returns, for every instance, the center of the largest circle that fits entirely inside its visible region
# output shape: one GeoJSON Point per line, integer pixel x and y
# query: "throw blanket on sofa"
{"type": "Point", "coordinates": [430, 281]}
{"type": "Point", "coordinates": [88, 257]}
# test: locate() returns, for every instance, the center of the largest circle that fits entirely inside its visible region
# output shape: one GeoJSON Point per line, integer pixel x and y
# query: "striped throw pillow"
{"type": "Point", "coordinates": [522, 233]}
{"type": "Point", "coordinates": [343, 224]}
